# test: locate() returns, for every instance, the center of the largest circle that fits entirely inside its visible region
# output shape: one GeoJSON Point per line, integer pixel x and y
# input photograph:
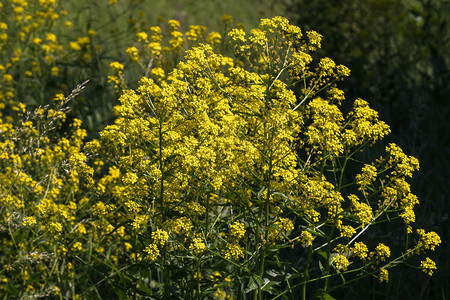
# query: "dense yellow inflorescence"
{"type": "Point", "coordinates": [212, 159]}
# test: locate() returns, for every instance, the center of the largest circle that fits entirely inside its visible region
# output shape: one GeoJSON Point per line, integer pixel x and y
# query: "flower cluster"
{"type": "Point", "coordinates": [231, 147]}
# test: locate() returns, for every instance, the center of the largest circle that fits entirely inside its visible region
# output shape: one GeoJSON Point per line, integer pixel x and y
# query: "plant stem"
{"type": "Point", "coordinates": [306, 274]}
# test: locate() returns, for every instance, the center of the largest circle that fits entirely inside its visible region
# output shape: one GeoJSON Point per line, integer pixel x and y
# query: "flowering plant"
{"type": "Point", "coordinates": [230, 171]}
{"type": "Point", "coordinates": [237, 155]}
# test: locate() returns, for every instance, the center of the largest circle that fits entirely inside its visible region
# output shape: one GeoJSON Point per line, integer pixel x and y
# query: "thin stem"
{"type": "Point", "coordinates": [306, 273]}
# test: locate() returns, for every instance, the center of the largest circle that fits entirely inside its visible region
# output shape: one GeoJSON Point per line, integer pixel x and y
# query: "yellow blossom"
{"type": "Point", "coordinates": [238, 230]}
{"type": "Point", "coordinates": [384, 275]}
{"type": "Point", "coordinates": [197, 245]}
{"type": "Point", "coordinates": [160, 237]}
{"type": "Point", "coordinates": [360, 250]}
{"type": "Point", "coordinates": [306, 238]}
{"type": "Point", "coordinates": [152, 252]}
{"type": "Point", "coordinates": [341, 262]}
{"type": "Point", "coordinates": [428, 266]}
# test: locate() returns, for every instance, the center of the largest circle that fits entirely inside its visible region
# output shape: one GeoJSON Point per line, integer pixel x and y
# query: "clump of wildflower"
{"type": "Point", "coordinates": [227, 20]}
{"type": "Point", "coordinates": [384, 275]}
{"type": "Point", "coordinates": [360, 250]}
{"type": "Point", "coordinates": [133, 53]}
{"type": "Point", "coordinates": [237, 229]}
{"type": "Point", "coordinates": [306, 238]}
{"type": "Point", "coordinates": [31, 220]}
{"type": "Point", "coordinates": [427, 241]}
{"type": "Point", "coordinates": [116, 66]}
{"type": "Point", "coordinates": [285, 224]}
{"type": "Point", "coordinates": [160, 237]}
{"type": "Point", "coordinates": [367, 176]}
{"type": "Point", "coordinates": [363, 121]}
{"type": "Point", "coordinates": [347, 231]}
{"type": "Point", "coordinates": [77, 246]}
{"type": "Point", "coordinates": [361, 210]}
{"type": "Point", "coordinates": [152, 252]}
{"type": "Point", "coordinates": [196, 32]}
{"type": "Point", "coordinates": [197, 245]}
{"type": "Point", "coordinates": [234, 251]}
{"type": "Point", "coordinates": [381, 253]}
{"type": "Point", "coordinates": [314, 40]}
{"type": "Point", "coordinates": [428, 266]}
{"type": "Point", "coordinates": [341, 262]}
{"type": "Point", "coordinates": [402, 164]}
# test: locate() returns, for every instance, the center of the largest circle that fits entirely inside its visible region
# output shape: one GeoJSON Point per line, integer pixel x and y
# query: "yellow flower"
{"type": "Point", "coordinates": [367, 176]}
{"type": "Point", "coordinates": [237, 230]}
{"type": "Point", "coordinates": [37, 41]}
{"type": "Point", "coordinates": [347, 231]}
{"type": "Point", "coordinates": [174, 24]}
{"type": "Point", "coordinates": [306, 238]}
{"type": "Point", "coordinates": [51, 37]}
{"type": "Point", "coordinates": [116, 66]}
{"type": "Point", "coordinates": [142, 36]}
{"type": "Point", "coordinates": [428, 240]}
{"type": "Point", "coordinates": [214, 38]}
{"type": "Point", "coordinates": [7, 77]}
{"type": "Point", "coordinates": [314, 40]}
{"type": "Point", "coordinates": [227, 19]}
{"type": "Point", "coordinates": [158, 73]}
{"type": "Point", "coordinates": [360, 250]}
{"type": "Point", "coordinates": [77, 246]}
{"type": "Point", "coordinates": [152, 252]}
{"type": "Point", "coordinates": [237, 35]}
{"type": "Point", "coordinates": [285, 224]}
{"type": "Point", "coordinates": [54, 71]}
{"type": "Point", "coordinates": [195, 32]}
{"type": "Point", "coordinates": [133, 53]}
{"type": "Point", "coordinates": [381, 253]}
{"type": "Point", "coordinates": [341, 262]}
{"type": "Point", "coordinates": [384, 275]}
{"type": "Point", "coordinates": [75, 46]}
{"type": "Point", "coordinates": [160, 237]}
{"type": "Point", "coordinates": [234, 251]}
{"type": "Point", "coordinates": [361, 210]}
{"type": "Point", "coordinates": [197, 245]}
{"type": "Point", "coordinates": [31, 220]}
{"type": "Point", "coordinates": [428, 266]}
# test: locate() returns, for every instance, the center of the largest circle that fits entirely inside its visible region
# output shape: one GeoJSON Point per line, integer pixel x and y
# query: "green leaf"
{"type": "Point", "coordinates": [322, 295]}
{"type": "Point", "coordinates": [254, 283]}
{"type": "Point", "coordinates": [269, 286]}
{"type": "Point", "coordinates": [322, 269]}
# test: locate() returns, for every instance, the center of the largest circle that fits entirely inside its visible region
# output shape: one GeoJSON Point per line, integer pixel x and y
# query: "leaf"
{"type": "Point", "coordinates": [254, 283]}
{"type": "Point", "coordinates": [322, 295]}
{"type": "Point", "coordinates": [261, 191]}
{"type": "Point", "coordinates": [322, 269]}
{"type": "Point", "coordinates": [323, 254]}
{"type": "Point", "coordinates": [269, 286]}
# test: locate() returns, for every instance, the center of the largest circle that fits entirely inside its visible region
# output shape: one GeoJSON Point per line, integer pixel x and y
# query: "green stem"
{"type": "Point", "coordinates": [198, 279]}
{"type": "Point", "coordinates": [306, 274]}
{"type": "Point", "coordinates": [328, 257]}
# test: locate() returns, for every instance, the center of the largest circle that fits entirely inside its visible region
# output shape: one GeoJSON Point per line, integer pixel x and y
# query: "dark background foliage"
{"type": "Point", "coordinates": [398, 52]}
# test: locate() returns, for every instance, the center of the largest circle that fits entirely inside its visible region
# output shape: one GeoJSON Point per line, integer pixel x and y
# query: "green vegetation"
{"type": "Point", "coordinates": [150, 158]}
